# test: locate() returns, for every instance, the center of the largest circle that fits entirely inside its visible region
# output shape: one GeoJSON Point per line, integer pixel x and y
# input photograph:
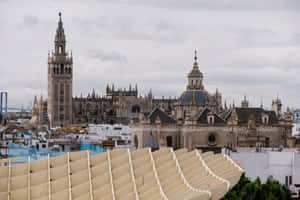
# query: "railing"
{"type": "Point", "coordinates": [184, 179]}
{"type": "Point", "coordinates": [211, 172]}
{"type": "Point", "coordinates": [132, 175]}
{"type": "Point", "coordinates": [156, 176]}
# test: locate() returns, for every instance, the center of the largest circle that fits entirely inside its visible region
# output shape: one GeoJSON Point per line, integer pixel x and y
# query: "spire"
{"type": "Point", "coordinates": [93, 93]}
{"type": "Point", "coordinates": [59, 16]}
{"type": "Point", "coordinates": [196, 61]}
{"type": "Point", "coordinates": [60, 38]}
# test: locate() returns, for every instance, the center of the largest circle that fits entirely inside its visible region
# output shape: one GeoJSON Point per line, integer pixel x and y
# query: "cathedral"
{"type": "Point", "coordinates": [197, 119]}
{"type": "Point", "coordinates": [62, 109]}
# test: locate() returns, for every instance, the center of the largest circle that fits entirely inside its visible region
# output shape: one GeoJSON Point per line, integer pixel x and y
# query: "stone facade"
{"type": "Point", "coordinates": [200, 121]}
{"type": "Point", "coordinates": [60, 76]}
{"type": "Point", "coordinates": [197, 119]}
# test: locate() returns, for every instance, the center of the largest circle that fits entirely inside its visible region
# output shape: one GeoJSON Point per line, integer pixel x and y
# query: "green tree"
{"type": "Point", "coordinates": [255, 190]}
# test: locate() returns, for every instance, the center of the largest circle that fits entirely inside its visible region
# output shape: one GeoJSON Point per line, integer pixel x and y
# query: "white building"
{"type": "Point", "coordinates": [283, 166]}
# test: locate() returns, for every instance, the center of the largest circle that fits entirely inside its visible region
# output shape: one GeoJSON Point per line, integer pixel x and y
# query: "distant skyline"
{"type": "Point", "coordinates": [247, 47]}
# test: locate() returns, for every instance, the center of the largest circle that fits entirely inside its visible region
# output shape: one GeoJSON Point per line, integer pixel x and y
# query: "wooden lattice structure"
{"type": "Point", "coordinates": [122, 175]}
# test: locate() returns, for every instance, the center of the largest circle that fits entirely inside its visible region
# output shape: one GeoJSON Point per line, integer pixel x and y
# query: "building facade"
{"type": "Point", "coordinates": [60, 78]}
{"type": "Point", "coordinates": [197, 119]}
{"type": "Point", "coordinates": [200, 121]}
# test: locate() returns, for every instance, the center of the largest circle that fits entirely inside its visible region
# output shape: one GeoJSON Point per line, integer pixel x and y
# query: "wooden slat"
{"type": "Point", "coordinates": [156, 176]}
{"type": "Point", "coordinates": [69, 176]}
{"type": "Point", "coordinates": [110, 174]}
{"type": "Point", "coordinates": [90, 177]}
{"type": "Point", "coordinates": [132, 175]}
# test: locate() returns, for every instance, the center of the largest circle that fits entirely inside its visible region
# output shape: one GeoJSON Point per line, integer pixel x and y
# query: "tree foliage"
{"type": "Point", "coordinates": [255, 190]}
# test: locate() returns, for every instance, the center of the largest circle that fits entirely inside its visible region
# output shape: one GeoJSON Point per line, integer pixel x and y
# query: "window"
{"type": "Point", "coordinates": [265, 119]}
{"type": "Point", "coordinates": [267, 142]}
{"type": "Point", "coordinates": [135, 109]}
{"type": "Point", "coordinates": [43, 146]}
{"type": "Point", "coordinates": [210, 119]}
{"type": "Point", "coordinates": [197, 83]}
{"type": "Point", "coordinates": [211, 138]}
{"type": "Point", "coordinates": [169, 141]}
{"type": "Point", "coordinates": [61, 68]}
{"type": "Point", "coordinates": [60, 49]}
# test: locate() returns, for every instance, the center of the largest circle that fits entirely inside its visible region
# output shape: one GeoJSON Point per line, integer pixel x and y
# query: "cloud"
{"type": "Point", "coordinates": [106, 56]}
{"type": "Point", "coordinates": [217, 4]}
{"type": "Point", "coordinates": [249, 46]}
{"type": "Point", "coordinates": [28, 22]}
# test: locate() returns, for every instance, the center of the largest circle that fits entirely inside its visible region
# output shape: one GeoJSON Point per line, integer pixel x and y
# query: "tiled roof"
{"type": "Point", "coordinates": [157, 113]}
{"type": "Point", "coordinates": [245, 113]}
{"type": "Point", "coordinates": [201, 117]}
{"type": "Point", "coordinates": [196, 97]}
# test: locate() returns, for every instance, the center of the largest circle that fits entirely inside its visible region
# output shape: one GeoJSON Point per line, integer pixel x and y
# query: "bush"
{"type": "Point", "coordinates": [254, 190]}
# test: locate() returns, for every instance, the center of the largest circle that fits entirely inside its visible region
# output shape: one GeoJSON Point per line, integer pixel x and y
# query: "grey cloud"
{"type": "Point", "coordinates": [128, 28]}
{"type": "Point", "coordinates": [217, 4]}
{"type": "Point", "coordinates": [28, 21]}
{"type": "Point", "coordinates": [106, 56]}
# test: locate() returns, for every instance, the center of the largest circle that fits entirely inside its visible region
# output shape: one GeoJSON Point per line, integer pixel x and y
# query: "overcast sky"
{"type": "Point", "coordinates": [247, 47]}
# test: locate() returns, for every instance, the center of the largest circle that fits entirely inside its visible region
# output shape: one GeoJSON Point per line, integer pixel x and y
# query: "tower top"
{"type": "Point", "coordinates": [60, 33]}
{"type": "Point", "coordinates": [195, 57]}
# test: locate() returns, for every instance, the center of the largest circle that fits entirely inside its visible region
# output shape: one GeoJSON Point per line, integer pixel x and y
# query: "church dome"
{"type": "Point", "coordinates": [195, 97]}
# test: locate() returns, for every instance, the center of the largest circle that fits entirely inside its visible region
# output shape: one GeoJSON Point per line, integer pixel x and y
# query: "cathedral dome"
{"type": "Point", "coordinates": [194, 97]}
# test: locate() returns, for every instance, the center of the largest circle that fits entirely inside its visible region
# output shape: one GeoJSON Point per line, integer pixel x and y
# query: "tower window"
{"type": "Point", "coordinates": [61, 68]}
{"type": "Point", "coordinates": [60, 49]}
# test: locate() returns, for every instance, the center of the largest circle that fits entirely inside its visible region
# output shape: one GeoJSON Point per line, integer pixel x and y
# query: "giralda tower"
{"type": "Point", "coordinates": [60, 75]}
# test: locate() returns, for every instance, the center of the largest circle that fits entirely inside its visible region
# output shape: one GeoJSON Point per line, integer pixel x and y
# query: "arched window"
{"type": "Point", "coordinates": [210, 119]}
{"type": "Point", "coordinates": [60, 49]}
{"type": "Point", "coordinates": [135, 109]}
{"type": "Point", "coordinates": [54, 71]}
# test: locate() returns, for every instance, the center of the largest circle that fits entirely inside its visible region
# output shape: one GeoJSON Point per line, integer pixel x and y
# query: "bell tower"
{"type": "Point", "coordinates": [60, 75]}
